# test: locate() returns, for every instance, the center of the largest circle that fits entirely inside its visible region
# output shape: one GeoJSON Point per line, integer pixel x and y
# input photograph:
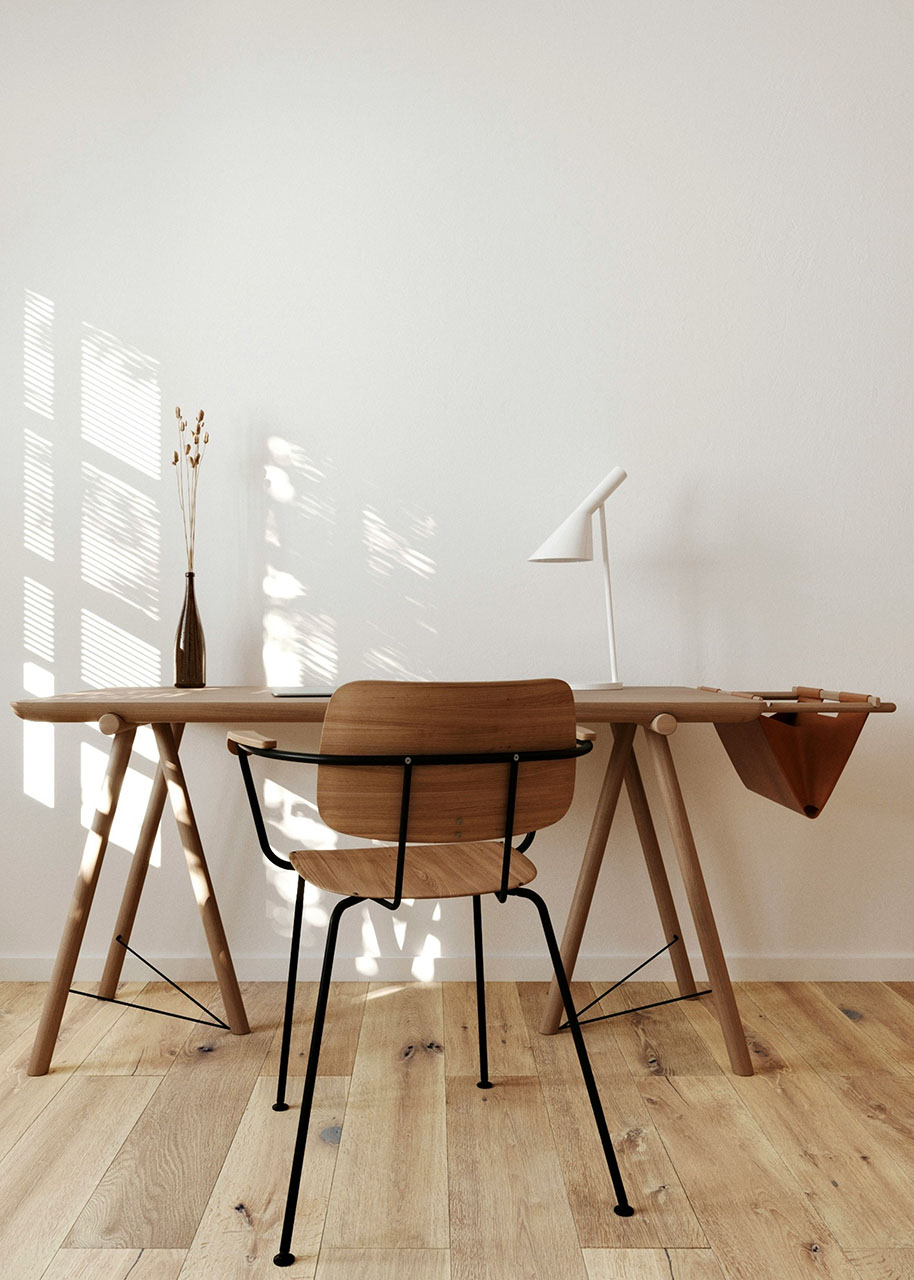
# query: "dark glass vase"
{"type": "Point", "coordinates": [190, 647]}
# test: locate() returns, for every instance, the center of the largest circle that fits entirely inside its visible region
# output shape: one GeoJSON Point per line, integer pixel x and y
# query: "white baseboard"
{"type": "Point", "coordinates": [499, 968]}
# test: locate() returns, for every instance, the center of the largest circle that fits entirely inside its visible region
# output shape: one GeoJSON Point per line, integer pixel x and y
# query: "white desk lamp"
{"type": "Point", "coordinates": [573, 541]}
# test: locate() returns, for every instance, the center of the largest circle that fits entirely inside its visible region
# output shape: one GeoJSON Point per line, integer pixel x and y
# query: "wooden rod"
{"type": "Point", "coordinates": [111, 724]}
{"type": "Point", "coordinates": [80, 904]}
{"type": "Point", "coordinates": [700, 905]}
{"type": "Point", "coordinates": [653, 859]}
{"type": "Point", "coordinates": [200, 879]}
{"type": "Point", "coordinates": [590, 869]}
{"type": "Point", "coordinates": [136, 879]}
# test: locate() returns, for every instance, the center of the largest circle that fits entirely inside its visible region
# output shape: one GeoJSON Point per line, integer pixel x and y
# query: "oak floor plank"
{"type": "Point", "coordinates": [731, 1177]}
{"type": "Point", "coordinates": [663, 1215]}
{"type": "Point", "coordinates": [20, 1008]}
{"type": "Point", "coordinates": [506, 1031]}
{"type": "Point", "coordinates": [884, 1104]}
{"type": "Point", "coordinates": [390, 1188]}
{"type": "Point", "coordinates": [856, 1170]}
{"type": "Point", "coordinates": [115, 1264]}
{"type": "Point", "coordinates": [241, 1225]}
{"type": "Point", "coordinates": [756, 1218]}
{"type": "Point", "coordinates": [769, 1049]}
{"type": "Point", "coordinates": [657, 1041]}
{"type": "Point", "coordinates": [903, 989]}
{"type": "Point", "coordinates": [510, 1216]}
{"type": "Point", "coordinates": [146, 1044]}
{"type": "Point", "coordinates": [881, 1013]}
{"type": "Point", "coordinates": [847, 1176]}
{"type": "Point", "coordinates": [341, 1030]}
{"type": "Point", "coordinates": [883, 1264]}
{"type": "Point", "coordinates": [384, 1264]}
{"type": "Point", "coordinates": [154, 1193]}
{"type": "Point", "coordinates": [651, 1264]}
{"type": "Point", "coordinates": [24, 1097]}
{"type": "Point", "coordinates": [45, 1178]}
{"type": "Point", "coordinates": [829, 1040]}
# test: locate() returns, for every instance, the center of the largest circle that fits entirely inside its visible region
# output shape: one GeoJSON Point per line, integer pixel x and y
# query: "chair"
{"type": "Point", "coordinates": [450, 772]}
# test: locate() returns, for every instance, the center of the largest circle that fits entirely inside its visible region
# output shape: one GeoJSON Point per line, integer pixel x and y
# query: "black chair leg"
{"type": "Point", "coordinates": [622, 1208]}
{"type": "Point", "coordinates": [285, 1257]}
{"type": "Point", "coordinates": [280, 1104]}
{"type": "Point", "coordinates": [484, 1081]}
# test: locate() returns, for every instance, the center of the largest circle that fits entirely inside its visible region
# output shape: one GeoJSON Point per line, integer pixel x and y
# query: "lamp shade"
{"type": "Point", "coordinates": [573, 539]}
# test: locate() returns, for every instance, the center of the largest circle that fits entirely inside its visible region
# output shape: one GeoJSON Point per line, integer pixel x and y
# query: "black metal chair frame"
{"type": "Point", "coordinates": [285, 1257]}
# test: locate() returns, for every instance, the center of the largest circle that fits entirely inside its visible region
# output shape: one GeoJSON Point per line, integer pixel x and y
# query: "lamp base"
{"type": "Point", "coordinates": [605, 684]}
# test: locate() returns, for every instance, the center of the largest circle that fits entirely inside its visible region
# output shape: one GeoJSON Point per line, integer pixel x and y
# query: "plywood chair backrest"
{"type": "Point", "coordinates": [447, 802]}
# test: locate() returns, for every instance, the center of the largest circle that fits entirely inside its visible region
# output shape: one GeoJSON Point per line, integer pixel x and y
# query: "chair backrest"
{"type": "Point", "coordinates": [447, 802]}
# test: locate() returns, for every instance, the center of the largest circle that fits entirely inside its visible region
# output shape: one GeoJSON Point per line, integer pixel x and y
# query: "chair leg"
{"type": "Point", "coordinates": [622, 1208]}
{"type": "Point", "coordinates": [280, 1104]}
{"type": "Point", "coordinates": [484, 1081]}
{"type": "Point", "coordinates": [285, 1257]}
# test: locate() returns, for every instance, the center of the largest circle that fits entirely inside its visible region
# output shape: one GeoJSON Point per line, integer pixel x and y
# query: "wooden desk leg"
{"type": "Point", "coordinates": [590, 870]}
{"type": "Point", "coordinates": [136, 879]}
{"type": "Point", "coordinates": [700, 904]}
{"type": "Point", "coordinates": [80, 904]}
{"type": "Point", "coordinates": [653, 858]}
{"type": "Point", "coordinates": [200, 879]}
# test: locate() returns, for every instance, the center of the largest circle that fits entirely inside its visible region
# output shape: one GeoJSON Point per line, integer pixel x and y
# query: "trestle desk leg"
{"type": "Point", "coordinates": [136, 879]}
{"type": "Point", "coordinates": [200, 879]}
{"type": "Point", "coordinates": [590, 870]}
{"type": "Point", "coordinates": [653, 858]}
{"type": "Point", "coordinates": [81, 903]}
{"type": "Point", "coordinates": [699, 902]}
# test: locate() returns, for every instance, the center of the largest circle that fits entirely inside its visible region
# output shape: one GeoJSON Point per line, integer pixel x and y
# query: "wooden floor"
{"type": "Point", "coordinates": [151, 1152]}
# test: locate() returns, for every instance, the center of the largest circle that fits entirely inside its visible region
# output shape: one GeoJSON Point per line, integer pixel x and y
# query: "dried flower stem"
{"type": "Point", "coordinates": [186, 459]}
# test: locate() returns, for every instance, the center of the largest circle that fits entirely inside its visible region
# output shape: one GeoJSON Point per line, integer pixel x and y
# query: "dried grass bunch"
{"type": "Point", "coordinates": [192, 442]}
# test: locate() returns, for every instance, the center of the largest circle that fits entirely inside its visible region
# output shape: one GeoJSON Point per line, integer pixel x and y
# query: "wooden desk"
{"type": "Point", "coordinates": [657, 710]}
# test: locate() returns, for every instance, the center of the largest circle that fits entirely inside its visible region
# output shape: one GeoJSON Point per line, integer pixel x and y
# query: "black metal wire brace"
{"type": "Point", "coordinates": [213, 1021]}
{"type": "Point", "coordinates": [563, 1026]}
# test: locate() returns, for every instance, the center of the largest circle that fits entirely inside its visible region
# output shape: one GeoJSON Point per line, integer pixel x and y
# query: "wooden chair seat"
{"type": "Point", "coordinates": [431, 871]}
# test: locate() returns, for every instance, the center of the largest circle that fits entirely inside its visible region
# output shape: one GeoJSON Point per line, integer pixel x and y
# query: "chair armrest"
{"type": "Point", "coordinates": [583, 734]}
{"type": "Point", "coordinates": [248, 738]}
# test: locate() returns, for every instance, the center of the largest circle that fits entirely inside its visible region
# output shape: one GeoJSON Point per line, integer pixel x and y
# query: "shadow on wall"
{"type": "Point", "coordinates": [313, 526]}
{"type": "Point", "coordinates": [104, 481]}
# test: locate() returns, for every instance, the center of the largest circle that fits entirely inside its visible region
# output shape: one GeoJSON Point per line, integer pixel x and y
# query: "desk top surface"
{"type": "Point", "coordinates": [254, 704]}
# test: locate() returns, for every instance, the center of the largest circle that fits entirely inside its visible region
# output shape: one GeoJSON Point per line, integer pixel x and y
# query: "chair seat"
{"type": "Point", "coordinates": [430, 870]}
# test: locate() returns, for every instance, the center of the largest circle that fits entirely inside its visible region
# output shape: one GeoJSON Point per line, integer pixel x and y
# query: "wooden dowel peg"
{"type": "Point", "coordinates": [835, 695]}
{"type": "Point", "coordinates": [804, 691]}
{"type": "Point", "coordinates": [111, 724]}
{"type": "Point", "coordinates": [664, 724]}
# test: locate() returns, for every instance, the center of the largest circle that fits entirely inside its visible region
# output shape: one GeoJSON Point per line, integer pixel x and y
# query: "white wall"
{"type": "Point", "coordinates": [438, 267]}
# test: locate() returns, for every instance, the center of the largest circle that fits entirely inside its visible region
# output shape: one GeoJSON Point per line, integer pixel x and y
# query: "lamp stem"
{"type": "Point", "coordinates": [613, 673]}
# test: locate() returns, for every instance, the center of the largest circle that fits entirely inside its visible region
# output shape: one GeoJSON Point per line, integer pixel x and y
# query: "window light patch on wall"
{"type": "Point", "coordinates": [38, 739]}
{"type": "Point", "coordinates": [38, 619]}
{"type": "Point", "coordinates": [119, 544]}
{"type": "Point", "coordinates": [423, 967]}
{"type": "Point", "coordinates": [131, 805]}
{"type": "Point", "coordinates": [121, 410]}
{"type": "Point", "coordinates": [113, 657]}
{"type": "Point", "coordinates": [387, 549]}
{"type": "Point", "coordinates": [38, 497]}
{"type": "Point", "coordinates": [38, 354]}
